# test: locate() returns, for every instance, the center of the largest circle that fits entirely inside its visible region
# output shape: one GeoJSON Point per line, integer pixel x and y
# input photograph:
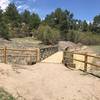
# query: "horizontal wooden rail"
{"type": "Point", "coordinates": [21, 56]}
{"type": "Point", "coordinates": [77, 53]}
{"type": "Point", "coordinates": [1, 55]}
{"type": "Point", "coordinates": [87, 63]}
{"type": "Point", "coordinates": [93, 64]}
{"type": "Point", "coordinates": [22, 50]}
{"type": "Point", "coordinates": [75, 59]}
{"type": "Point", "coordinates": [97, 57]}
{"type": "Point", "coordinates": [1, 49]}
{"type": "Point", "coordinates": [79, 60]}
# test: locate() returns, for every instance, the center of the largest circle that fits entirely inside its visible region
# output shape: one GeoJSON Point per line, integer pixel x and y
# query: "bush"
{"type": "Point", "coordinates": [4, 31]}
{"type": "Point", "coordinates": [75, 36]}
{"type": "Point", "coordinates": [91, 39]}
{"type": "Point", "coordinates": [87, 38]}
{"type": "Point", "coordinates": [5, 95]}
{"type": "Point", "coordinates": [48, 35]}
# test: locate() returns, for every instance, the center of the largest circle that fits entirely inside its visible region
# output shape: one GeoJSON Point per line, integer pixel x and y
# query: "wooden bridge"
{"type": "Point", "coordinates": [32, 56]}
{"type": "Point", "coordinates": [51, 80]}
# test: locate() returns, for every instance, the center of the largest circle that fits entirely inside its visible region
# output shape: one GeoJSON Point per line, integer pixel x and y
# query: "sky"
{"type": "Point", "coordinates": [82, 9]}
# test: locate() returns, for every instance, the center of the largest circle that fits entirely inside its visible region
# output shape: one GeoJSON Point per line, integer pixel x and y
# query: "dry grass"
{"type": "Point", "coordinates": [27, 42]}
{"type": "Point", "coordinates": [96, 48]}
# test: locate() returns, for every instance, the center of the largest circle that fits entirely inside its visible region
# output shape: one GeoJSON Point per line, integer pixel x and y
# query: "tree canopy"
{"type": "Point", "coordinates": [60, 24]}
{"type": "Point", "coordinates": [18, 24]}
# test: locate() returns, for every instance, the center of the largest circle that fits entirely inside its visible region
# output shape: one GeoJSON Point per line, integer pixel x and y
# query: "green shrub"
{"type": "Point", "coordinates": [5, 95]}
{"type": "Point", "coordinates": [4, 31]}
{"type": "Point", "coordinates": [48, 35]}
{"type": "Point", "coordinates": [75, 36]}
{"type": "Point", "coordinates": [91, 39]}
{"type": "Point", "coordinates": [87, 38]}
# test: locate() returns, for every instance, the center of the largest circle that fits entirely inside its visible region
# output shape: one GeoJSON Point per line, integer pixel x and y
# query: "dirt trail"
{"type": "Point", "coordinates": [47, 81]}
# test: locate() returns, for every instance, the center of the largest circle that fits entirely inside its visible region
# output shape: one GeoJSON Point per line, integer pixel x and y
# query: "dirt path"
{"type": "Point", "coordinates": [47, 81]}
{"type": "Point", "coordinates": [55, 58]}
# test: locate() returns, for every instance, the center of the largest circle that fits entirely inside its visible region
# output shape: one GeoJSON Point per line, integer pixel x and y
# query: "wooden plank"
{"type": "Point", "coordinates": [85, 62]}
{"type": "Point", "coordinates": [93, 64]}
{"type": "Point", "coordinates": [21, 56]}
{"type": "Point", "coordinates": [76, 53]}
{"type": "Point", "coordinates": [97, 57]}
{"type": "Point", "coordinates": [37, 55]}
{"type": "Point", "coordinates": [22, 50]}
{"type": "Point", "coordinates": [78, 60]}
{"type": "Point", "coordinates": [1, 49]}
{"type": "Point", "coordinates": [5, 55]}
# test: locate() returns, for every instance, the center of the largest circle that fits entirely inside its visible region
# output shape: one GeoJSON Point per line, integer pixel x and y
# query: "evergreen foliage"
{"type": "Point", "coordinates": [60, 24]}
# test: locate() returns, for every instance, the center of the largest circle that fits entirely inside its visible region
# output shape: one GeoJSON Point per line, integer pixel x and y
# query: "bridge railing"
{"type": "Point", "coordinates": [86, 60]}
{"type": "Point", "coordinates": [47, 51]}
{"type": "Point", "coordinates": [19, 56]}
{"type": "Point", "coordinates": [25, 56]}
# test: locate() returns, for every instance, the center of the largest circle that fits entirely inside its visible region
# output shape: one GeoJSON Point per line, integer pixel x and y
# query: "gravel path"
{"type": "Point", "coordinates": [47, 81]}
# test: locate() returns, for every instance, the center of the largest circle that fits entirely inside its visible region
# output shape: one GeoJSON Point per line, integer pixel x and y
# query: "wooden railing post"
{"type": "Point", "coordinates": [37, 55]}
{"type": "Point", "coordinates": [5, 55]}
{"type": "Point", "coordinates": [85, 62]}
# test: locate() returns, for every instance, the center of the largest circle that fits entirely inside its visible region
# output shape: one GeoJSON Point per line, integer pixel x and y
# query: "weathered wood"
{"type": "Point", "coordinates": [79, 60]}
{"type": "Point", "coordinates": [5, 55]}
{"type": "Point", "coordinates": [85, 61]}
{"type": "Point", "coordinates": [18, 56]}
{"type": "Point", "coordinates": [93, 64]}
{"type": "Point", "coordinates": [37, 55]}
{"type": "Point", "coordinates": [97, 57]}
{"type": "Point", "coordinates": [22, 49]}
{"type": "Point", "coordinates": [23, 55]}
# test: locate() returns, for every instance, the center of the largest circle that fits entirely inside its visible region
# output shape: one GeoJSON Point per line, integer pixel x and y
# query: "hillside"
{"type": "Point", "coordinates": [27, 42]}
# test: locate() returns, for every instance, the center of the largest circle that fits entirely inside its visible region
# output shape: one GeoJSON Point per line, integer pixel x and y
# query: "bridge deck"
{"type": "Point", "coordinates": [55, 58]}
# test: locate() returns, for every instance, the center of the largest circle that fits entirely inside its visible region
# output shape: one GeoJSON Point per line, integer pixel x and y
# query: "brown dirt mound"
{"type": "Point", "coordinates": [65, 44]}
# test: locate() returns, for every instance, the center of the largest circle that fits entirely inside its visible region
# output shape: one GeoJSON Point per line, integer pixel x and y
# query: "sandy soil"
{"type": "Point", "coordinates": [47, 81]}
